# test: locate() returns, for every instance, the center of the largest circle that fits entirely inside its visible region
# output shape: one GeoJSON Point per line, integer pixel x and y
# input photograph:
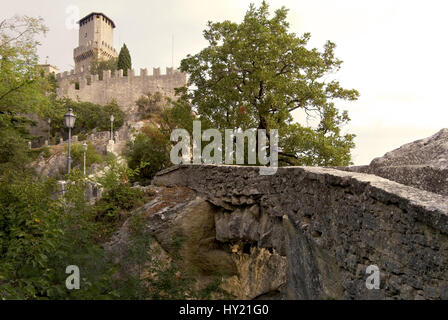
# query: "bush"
{"type": "Point", "coordinates": [149, 152]}
{"type": "Point", "coordinates": [46, 153]}
{"type": "Point", "coordinates": [89, 116]}
{"type": "Point", "coordinates": [41, 234]}
{"type": "Point", "coordinates": [149, 104]}
{"type": "Point", "coordinates": [82, 137]}
{"type": "Point", "coordinates": [77, 154]}
{"type": "Point", "coordinates": [117, 202]}
{"type": "Point", "coordinates": [28, 237]}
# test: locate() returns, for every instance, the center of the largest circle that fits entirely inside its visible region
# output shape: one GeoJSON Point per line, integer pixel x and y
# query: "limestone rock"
{"type": "Point", "coordinates": [53, 166]}
{"type": "Point", "coordinates": [431, 152]}
{"type": "Point", "coordinates": [422, 164]}
{"type": "Point", "coordinates": [259, 273]}
{"type": "Point", "coordinates": [185, 224]}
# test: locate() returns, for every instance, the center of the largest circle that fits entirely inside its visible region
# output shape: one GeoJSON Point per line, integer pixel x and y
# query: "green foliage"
{"type": "Point", "coordinates": [89, 116]}
{"type": "Point", "coordinates": [214, 286]}
{"type": "Point", "coordinates": [41, 234]}
{"type": "Point", "coordinates": [22, 88]}
{"type": "Point", "coordinates": [45, 152]}
{"type": "Point", "coordinates": [14, 152]}
{"type": "Point", "coordinates": [28, 238]}
{"type": "Point", "coordinates": [117, 202]}
{"type": "Point", "coordinates": [124, 60]}
{"type": "Point", "coordinates": [119, 197]}
{"type": "Point", "coordinates": [77, 154]}
{"type": "Point", "coordinates": [149, 104]}
{"type": "Point", "coordinates": [149, 152]}
{"type": "Point", "coordinates": [97, 66]}
{"type": "Point", "coordinates": [150, 149]}
{"type": "Point", "coordinates": [82, 136]}
{"type": "Point", "coordinates": [255, 73]}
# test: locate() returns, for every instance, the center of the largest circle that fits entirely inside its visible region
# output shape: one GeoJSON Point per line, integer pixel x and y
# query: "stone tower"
{"type": "Point", "coordinates": [96, 38]}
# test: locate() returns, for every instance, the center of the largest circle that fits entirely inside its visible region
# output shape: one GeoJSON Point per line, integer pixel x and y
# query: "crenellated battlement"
{"type": "Point", "coordinates": [116, 86]}
{"type": "Point", "coordinates": [71, 75]}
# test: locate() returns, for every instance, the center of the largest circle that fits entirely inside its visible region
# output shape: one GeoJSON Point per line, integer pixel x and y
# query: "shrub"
{"type": "Point", "coordinates": [28, 237]}
{"type": "Point", "coordinates": [117, 202]}
{"type": "Point", "coordinates": [149, 152]}
{"type": "Point", "coordinates": [46, 152]}
{"type": "Point", "coordinates": [89, 116]}
{"type": "Point", "coordinates": [77, 154]}
{"type": "Point", "coordinates": [149, 104]}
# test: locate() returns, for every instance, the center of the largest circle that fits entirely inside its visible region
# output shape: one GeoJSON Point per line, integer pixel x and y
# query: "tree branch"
{"type": "Point", "coordinates": [15, 88]}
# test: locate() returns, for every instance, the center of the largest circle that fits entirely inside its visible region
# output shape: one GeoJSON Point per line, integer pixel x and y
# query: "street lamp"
{"type": "Point", "coordinates": [84, 148]}
{"type": "Point", "coordinates": [49, 129]}
{"type": "Point", "coordinates": [69, 118]}
{"type": "Point", "coordinates": [111, 127]}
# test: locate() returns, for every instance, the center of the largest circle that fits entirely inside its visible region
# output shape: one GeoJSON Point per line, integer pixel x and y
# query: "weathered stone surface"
{"type": "Point", "coordinates": [330, 225]}
{"type": "Point", "coordinates": [182, 223]}
{"type": "Point", "coordinates": [259, 273]}
{"type": "Point", "coordinates": [422, 164]}
{"type": "Point", "coordinates": [53, 166]}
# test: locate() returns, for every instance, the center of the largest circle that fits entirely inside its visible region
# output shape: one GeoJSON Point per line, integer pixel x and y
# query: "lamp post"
{"type": "Point", "coordinates": [69, 118]}
{"type": "Point", "coordinates": [49, 129]}
{"type": "Point", "coordinates": [84, 148]}
{"type": "Point", "coordinates": [111, 127]}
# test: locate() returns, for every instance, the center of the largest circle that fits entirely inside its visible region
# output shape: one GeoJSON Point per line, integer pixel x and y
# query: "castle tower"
{"type": "Point", "coordinates": [96, 39]}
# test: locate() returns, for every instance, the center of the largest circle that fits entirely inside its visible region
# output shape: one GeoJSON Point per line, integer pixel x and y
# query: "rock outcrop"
{"type": "Point", "coordinates": [181, 222]}
{"type": "Point", "coordinates": [309, 233]}
{"type": "Point", "coordinates": [422, 164]}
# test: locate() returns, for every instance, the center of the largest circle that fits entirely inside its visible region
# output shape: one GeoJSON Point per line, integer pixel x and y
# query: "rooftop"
{"type": "Point", "coordinates": [97, 13]}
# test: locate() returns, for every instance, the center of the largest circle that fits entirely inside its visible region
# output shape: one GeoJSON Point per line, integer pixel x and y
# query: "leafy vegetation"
{"type": "Point", "coordinates": [97, 66]}
{"type": "Point", "coordinates": [150, 151]}
{"type": "Point", "coordinates": [124, 60]}
{"type": "Point", "coordinates": [92, 155]}
{"type": "Point", "coordinates": [149, 104]}
{"type": "Point", "coordinates": [254, 74]}
{"type": "Point", "coordinates": [22, 88]}
{"type": "Point", "coordinates": [151, 148]}
{"type": "Point", "coordinates": [89, 117]}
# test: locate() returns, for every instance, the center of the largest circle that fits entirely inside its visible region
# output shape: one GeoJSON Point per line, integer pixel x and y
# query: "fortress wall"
{"type": "Point", "coordinates": [124, 89]}
{"type": "Point", "coordinates": [330, 225]}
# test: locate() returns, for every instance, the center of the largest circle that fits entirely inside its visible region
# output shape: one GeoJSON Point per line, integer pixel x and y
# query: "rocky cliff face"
{"type": "Point", "coordinates": [422, 164]}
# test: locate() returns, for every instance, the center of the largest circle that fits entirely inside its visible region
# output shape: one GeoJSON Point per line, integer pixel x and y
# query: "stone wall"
{"type": "Point", "coordinates": [329, 225]}
{"type": "Point", "coordinates": [125, 90]}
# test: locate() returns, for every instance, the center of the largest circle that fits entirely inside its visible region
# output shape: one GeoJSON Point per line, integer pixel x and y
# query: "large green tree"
{"type": "Point", "coordinates": [124, 60]}
{"type": "Point", "coordinates": [22, 88]}
{"type": "Point", "coordinates": [256, 73]}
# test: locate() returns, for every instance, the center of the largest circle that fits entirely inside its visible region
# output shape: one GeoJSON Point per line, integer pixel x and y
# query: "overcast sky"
{"type": "Point", "coordinates": [394, 52]}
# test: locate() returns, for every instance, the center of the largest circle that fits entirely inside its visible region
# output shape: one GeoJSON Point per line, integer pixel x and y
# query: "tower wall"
{"type": "Point", "coordinates": [96, 38]}
{"type": "Point", "coordinates": [125, 90]}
